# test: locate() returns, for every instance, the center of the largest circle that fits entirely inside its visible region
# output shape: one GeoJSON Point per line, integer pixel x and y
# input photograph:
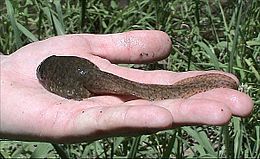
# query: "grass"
{"type": "Point", "coordinates": [206, 35]}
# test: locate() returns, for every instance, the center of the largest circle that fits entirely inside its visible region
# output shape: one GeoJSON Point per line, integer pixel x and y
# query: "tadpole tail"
{"type": "Point", "coordinates": [116, 85]}
{"type": "Point", "coordinates": [202, 83]}
{"type": "Point", "coordinates": [182, 89]}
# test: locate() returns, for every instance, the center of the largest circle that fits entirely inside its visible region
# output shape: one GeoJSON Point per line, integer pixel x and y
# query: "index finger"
{"type": "Point", "coordinates": [135, 46]}
{"type": "Point", "coordinates": [129, 47]}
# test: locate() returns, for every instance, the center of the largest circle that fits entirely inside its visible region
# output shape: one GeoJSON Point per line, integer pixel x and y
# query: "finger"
{"type": "Point", "coordinates": [198, 112]}
{"type": "Point", "coordinates": [134, 46]}
{"type": "Point", "coordinates": [194, 111]}
{"type": "Point", "coordinates": [128, 47]}
{"type": "Point", "coordinates": [239, 103]}
{"type": "Point", "coordinates": [98, 122]}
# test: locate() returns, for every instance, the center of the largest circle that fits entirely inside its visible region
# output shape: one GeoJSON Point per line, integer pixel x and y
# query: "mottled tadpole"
{"type": "Point", "coordinates": [77, 78]}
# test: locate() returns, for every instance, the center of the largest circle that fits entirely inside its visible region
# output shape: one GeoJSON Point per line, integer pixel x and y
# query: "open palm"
{"type": "Point", "coordinates": [29, 112]}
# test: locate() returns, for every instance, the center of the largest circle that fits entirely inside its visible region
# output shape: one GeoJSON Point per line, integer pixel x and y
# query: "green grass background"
{"type": "Point", "coordinates": [206, 34]}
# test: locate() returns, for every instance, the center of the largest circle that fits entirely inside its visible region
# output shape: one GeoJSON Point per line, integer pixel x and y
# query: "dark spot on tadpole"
{"type": "Point", "coordinates": [83, 111]}
{"type": "Point", "coordinates": [222, 110]}
{"type": "Point", "coordinates": [100, 111]}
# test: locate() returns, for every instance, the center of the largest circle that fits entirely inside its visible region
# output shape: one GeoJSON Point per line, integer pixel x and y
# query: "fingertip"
{"type": "Point", "coordinates": [242, 104]}
{"type": "Point", "coordinates": [207, 112]}
{"type": "Point", "coordinates": [138, 46]}
{"type": "Point", "coordinates": [197, 112]}
{"type": "Point", "coordinates": [239, 103]}
{"type": "Point", "coordinates": [221, 116]}
{"type": "Point", "coordinates": [165, 39]}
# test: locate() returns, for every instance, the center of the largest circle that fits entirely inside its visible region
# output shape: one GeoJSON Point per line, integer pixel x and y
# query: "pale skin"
{"type": "Point", "coordinates": [29, 112]}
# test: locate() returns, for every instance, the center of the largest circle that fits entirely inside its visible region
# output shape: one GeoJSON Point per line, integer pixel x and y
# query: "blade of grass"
{"type": "Point", "coordinates": [167, 152]}
{"type": "Point", "coordinates": [26, 32]}
{"type": "Point", "coordinates": [179, 146]}
{"type": "Point", "coordinates": [251, 66]}
{"type": "Point", "coordinates": [197, 12]}
{"type": "Point", "coordinates": [10, 13]}
{"type": "Point", "coordinates": [39, 23]}
{"type": "Point", "coordinates": [41, 151]}
{"type": "Point", "coordinates": [227, 29]}
{"type": "Point", "coordinates": [54, 22]}
{"type": "Point", "coordinates": [234, 49]}
{"type": "Point", "coordinates": [59, 12]}
{"type": "Point", "coordinates": [98, 149]}
{"type": "Point", "coordinates": [118, 141]}
{"type": "Point", "coordinates": [210, 52]}
{"type": "Point", "coordinates": [208, 8]}
{"type": "Point", "coordinates": [58, 26]}
{"type": "Point", "coordinates": [61, 152]}
{"type": "Point", "coordinates": [202, 138]}
{"type": "Point", "coordinates": [47, 12]}
{"type": "Point", "coordinates": [227, 142]}
{"type": "Point", "coordinates": [200, 149]}
{"type": "Point", "coordinates": [83, 14]}
{"type": "Point", "coordinates": [257, 149]}
{"type": "Point", "coordinates": [4, 154]}
{"type": "Point", "coordinates": [86, 152]}
{"type": "Point", "coordinates": [134, 148]}
{"type": "Point", "coordinates": [238, 137]}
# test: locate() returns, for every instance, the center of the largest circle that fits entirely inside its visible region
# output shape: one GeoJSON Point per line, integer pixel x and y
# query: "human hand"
{"type": "Point", "coordinates": [29, 112]}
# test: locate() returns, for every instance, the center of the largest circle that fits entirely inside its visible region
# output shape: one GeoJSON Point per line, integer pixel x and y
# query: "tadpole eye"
{"type": "Point", "coordinates": [80, 71]}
